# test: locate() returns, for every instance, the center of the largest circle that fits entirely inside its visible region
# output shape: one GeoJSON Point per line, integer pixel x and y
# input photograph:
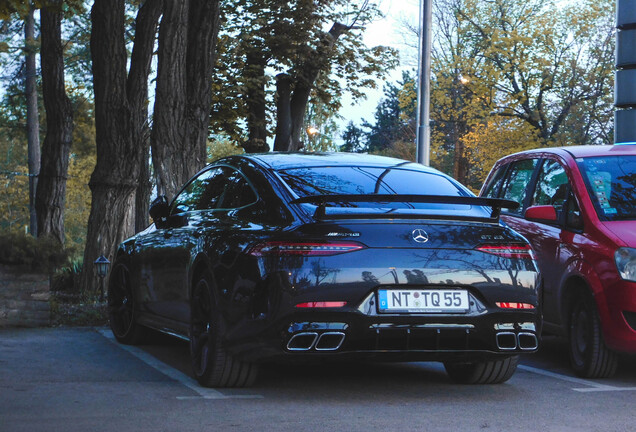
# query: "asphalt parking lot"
{"type": "Point", "coordinates": [80, 379]}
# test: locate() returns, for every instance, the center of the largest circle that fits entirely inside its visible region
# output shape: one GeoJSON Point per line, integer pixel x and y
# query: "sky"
{"type": "Point", "coordinates": [384, 32]}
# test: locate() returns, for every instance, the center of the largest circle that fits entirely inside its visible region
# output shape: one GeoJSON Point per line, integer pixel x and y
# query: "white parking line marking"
{"type": "Point", "coordinates": [609, 389]}
{"type": "Point", "coordinates": [564, 377]}
{"type": "Point", "coordinates": [203, 392]}
{"type": "Point", "coordinates": [592, 385]}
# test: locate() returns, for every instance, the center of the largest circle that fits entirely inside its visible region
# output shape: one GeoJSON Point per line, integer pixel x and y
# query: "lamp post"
{"type": "Point", "coordinates": [101, 266]}
{"type": "Point", "coordinates": [423, 144]}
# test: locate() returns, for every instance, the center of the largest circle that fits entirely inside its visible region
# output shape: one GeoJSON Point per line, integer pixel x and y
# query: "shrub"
{"type": "Point", "coordinates": [42, 254]}
{"type": "Point", "coordinates": [66, 279]}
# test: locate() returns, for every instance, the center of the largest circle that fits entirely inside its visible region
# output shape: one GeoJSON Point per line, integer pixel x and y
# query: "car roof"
{"type": "Point", "coordinates": [584, 151]}
{"type": "Point", "coordinates": [601, 150]}
{"type": "Point", "coordinates": [281, 161]}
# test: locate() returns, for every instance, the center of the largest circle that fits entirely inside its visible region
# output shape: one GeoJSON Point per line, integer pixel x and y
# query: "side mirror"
{"type": "Point", "coordinates": [542, 213]}
{"type": "Point", "coordinates": [159, 209]}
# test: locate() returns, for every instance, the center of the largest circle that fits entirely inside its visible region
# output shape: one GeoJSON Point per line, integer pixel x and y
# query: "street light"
{"type": "Point", "coordinates": [423, 138]}
{"type": "Point", "coordinates": [312, 131]}
{"type": "Point", "coordinates": [101, 266]}
{"type": "Point", "coordinates": [314, 135]}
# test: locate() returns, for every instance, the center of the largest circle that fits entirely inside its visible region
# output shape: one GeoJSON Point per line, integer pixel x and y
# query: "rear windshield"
{"type": "Point", "coordinates": [611, 183]}
{"type": "Point", "coordinates": [363, 180]}
{"type": "Point", "coordinates": [369, 180]}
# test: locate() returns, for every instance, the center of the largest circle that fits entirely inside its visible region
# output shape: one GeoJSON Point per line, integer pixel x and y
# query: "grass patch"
{"type": "Point", "coordinates": [70, 306]}
{"type": "Point", "coordinates": [71, 310]}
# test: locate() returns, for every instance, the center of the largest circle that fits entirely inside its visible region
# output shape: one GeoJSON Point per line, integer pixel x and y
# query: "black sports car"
{"type": "Point", "coordinates": [329, 256]}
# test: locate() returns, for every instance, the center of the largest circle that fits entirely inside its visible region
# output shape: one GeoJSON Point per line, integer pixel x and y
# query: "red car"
{"type": "Point", "coordinates": [578, 210]}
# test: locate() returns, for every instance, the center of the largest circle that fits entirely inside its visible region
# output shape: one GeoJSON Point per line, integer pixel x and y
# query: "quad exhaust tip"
{"type": "Point", "coordinates": [305, 341]}
{"type": "Point", "coordinates": [527, 341]}
{"type": "Point", "coordinates": [302, 341]}
{"type": "Point", "coordinates": [506, 341]}
{"type": "Point", "coordinates": [330, 341]}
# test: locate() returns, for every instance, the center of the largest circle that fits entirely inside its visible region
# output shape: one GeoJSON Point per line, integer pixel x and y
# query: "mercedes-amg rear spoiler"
{"type": "Point", "coordinates": [322, 200]}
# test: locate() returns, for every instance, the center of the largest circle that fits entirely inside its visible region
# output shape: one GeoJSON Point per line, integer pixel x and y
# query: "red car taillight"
{"type": "Point", "coordinates": [508, 251]}
{"type": "Point", "coordinates": [286, 248]}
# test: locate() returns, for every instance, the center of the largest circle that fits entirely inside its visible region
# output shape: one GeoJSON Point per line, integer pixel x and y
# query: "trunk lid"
{"type": "Point", "coordinates": [425, 234]}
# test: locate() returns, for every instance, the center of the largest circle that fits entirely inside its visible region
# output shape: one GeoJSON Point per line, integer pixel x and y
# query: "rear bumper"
{"type": "Point", "coordinates": [281, 329]}
{"type": "Point", "coordinates": [396, 338]}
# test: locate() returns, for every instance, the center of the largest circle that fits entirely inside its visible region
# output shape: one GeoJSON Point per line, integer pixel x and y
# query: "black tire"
{"type": "Point", "coordinates": [483, 372]}
{"type": "Point", "coordinates": [212, 365]}
{"type": "Point", "coordinates": [589, 356]}
{"type": "Point", "coordinates": [122, 308]}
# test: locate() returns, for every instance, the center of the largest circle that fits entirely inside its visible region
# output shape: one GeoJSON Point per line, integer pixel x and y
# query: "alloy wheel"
{"type": "Point", "coordinates": [201, 327]}
{"type": "Point", "coordinates": [120, 303]}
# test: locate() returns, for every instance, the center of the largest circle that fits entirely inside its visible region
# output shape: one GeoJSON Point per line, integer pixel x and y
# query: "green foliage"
{"type": "Point", "coordinates": [281, 36]}
{"type": "Point", "coordinates": [66, 279]}
{"type": "Point", "coordinates": [221, 147]}
{"type": "Point", "coordinates": [509, 75]}
{"type": "Point", "coordinates": [19, 8]}
{"type": "Point", "coordinates": [321, 128]}
{"type": "Point", "coordinates": [78, 200]}
{"type": "Point", "coordinates": [14, 180]}
{"type": "Point", "coordinates": [76, 310]}
{"type": "Point", "coordinates": [394, 116]}
{"type": "Point", "coordinates": [81, 166]}
{"type": "Point", "coordinates": [548, 64]}
{"type": "Point", "coordinates": [77, 55]}
{"type": "Point", "coordinates": [488, 142]}
{"type": "Point", "coordinates": [14, 198]}
{"type": "Point", "coordinates": [353, 138]}
{"type": "Point", "coordinates": [14, 183]}
{"type": "Point", "coordinates": [84, 145]}
{"type": "Point", "coordinates": [400, 150]}
{"type": "Point", "coordinates": [20, 249]}
{"type": "Point", "coordinates": [9, 8]}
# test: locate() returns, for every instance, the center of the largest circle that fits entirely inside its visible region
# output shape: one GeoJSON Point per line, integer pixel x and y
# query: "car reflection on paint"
{"type": "Point", "coordinates": [303, 257]}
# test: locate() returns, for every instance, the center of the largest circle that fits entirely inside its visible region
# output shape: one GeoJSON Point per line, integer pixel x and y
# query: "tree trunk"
{"type": "Point", "coordinates": [298, 106]}
{"type": "Point", "coordinates": [203, 29]}
{"type": "Point", "coordinates": [187, 51]}
{"type": "Point", "coordinates": [255, 101]}
{"type": "Point", "coordinates": [51, 188]}
{"type": "Point", "coordinates": [459, 173]}
{"type": "Point", "coordinates": [168, 131]}
{"type": "Point", "coordinates": [307, 72]}
{"type": "Point", "coordinates": [137, 92]}
{"type": "Point", "coordinates": [282, 141]}
{"type": "Point", "coordinates": [33, 122]}
{"type": "Point", "coordinates": [144, 189]}
{"type": "Point", "coordinates": [115, 178]}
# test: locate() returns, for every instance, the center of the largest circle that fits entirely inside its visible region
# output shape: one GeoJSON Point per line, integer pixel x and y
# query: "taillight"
{"type": "Point", "coordinates": [327, 304]}
{"type": "Point", "coordinates": [304, 248]}
{"type": "Point", "coordinates": [514, 305]}
{"type": "Point", "coordinates": [508, 251]}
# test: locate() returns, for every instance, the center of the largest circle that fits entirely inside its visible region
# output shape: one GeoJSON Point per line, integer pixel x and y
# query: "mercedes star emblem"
{"type": "Point", "coordinates": [419, 235]}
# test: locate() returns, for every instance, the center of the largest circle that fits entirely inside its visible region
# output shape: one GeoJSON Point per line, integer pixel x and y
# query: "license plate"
{"type": "Point", "coordinates": [423, 301]}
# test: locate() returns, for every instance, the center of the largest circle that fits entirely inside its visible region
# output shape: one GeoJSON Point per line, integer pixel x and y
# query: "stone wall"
{"type": "Point", "coordinates": [24, 298]}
